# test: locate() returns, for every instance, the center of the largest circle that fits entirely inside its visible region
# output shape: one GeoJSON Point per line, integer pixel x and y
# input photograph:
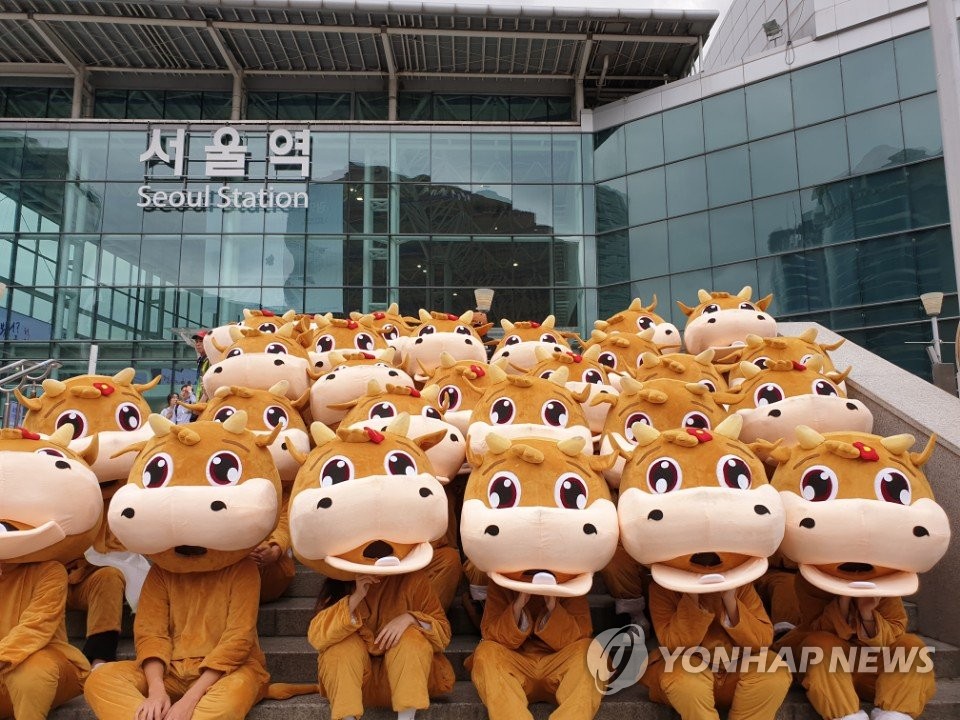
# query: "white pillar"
{"type": "Point", "coordinates": [946, 55]}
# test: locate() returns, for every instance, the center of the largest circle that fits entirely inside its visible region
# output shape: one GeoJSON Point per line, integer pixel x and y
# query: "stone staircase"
{"type": "Point", "coordinates": [282, 626]}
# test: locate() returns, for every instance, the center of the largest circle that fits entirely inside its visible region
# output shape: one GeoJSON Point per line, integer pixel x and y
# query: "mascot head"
{"type": "Point", "coordinates": [260, 360]}
{"type": "Point", "coordinates": [462, 383]}
{"type": "Point", "coordinates": [639, 317]}
{"type": "Point", "coordinates": [722, 321]}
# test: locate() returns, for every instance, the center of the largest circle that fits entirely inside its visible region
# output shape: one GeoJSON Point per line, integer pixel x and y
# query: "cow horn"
{"type": "Point", "coordinates": [754, 340]}
{"type": "Point", "coordinates": [62, 436]}
{"type": "Point", "coordinates": [498, 444]}
{"type": "Point", "coordinates": [236, 423]}
{"type": "Point", "coordinates": [749, 370]}
{"type": "Point", "coordinates": [280, 388]}
{"type": "Point", "coordinates": [125, 376]}
{"type": "Point", "coordinates": [571, 446]}
{"type": "Point", "coordinates": [808, 438]}
{"type": "Point", "coordinates": [447, 360]}
{"type": "Point", "coordinates": [706, 357]}
{"type": "Point", "coordinates": [160, 425]}
{"type": "Point", "coordinates": [235, 333]}
{"type": "Point", "coordinates": [321, 434]}
{"type": "Point", "coordinates": [143, 387]}
{"type": "Point", "coordinates": [810, 335]}
{"type": "Point", "coordinates": [33, 404]}
{"type": "Point", "coordinates": [731, 427]}
{"type": "Point", "coordinates": [560, 376]}
{"type": "Point", "coordinates": [898, 444]}
{"type": "Point", "coordinates": [400, 425]}
{"type": "Point", "coordinates": [745, 293]}
{"type": "Point", "coordinates": [703, 296]}
{"type": "Point", "coordinates": [645, 434]}
{"type": "Point", "coordinates": [920, 459]}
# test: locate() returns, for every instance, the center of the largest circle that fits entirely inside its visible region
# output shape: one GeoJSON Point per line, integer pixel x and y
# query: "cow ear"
{"type": "Point", "coordinates": [298, 457]}
{"type": "Point", "coordinates": [764, 303]}
{"type": "Point", "coordinates": [920, 459]}
{"type": "Point", "coordinates": [599, 463]}
{"type": "Point", "coordinates": [425, 442]}
{"type": "Point", "coordinates": [686, 309]}
{"type": "Point", "coordinates": [321, 434]}
{"type": "Point", "coordinates": [774, 451]}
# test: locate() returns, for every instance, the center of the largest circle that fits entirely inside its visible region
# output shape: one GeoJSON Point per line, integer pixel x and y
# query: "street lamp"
{"type": "Point", "coordinates": [484, 297]}
{"type": "Point", "coordinates": [932, 305]}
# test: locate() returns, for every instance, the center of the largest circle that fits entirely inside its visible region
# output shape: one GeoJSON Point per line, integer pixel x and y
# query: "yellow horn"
{"type": "Point", "coordinates": [29, 403]}
{"type": "Point", "coordinates": [160, 425]}
{"type": "Point", "coordinates": [745, 293]}
{"type": "Point", "coordinates": [749, 370]}
{"type": "Point", "coordinates": [808, 438]}
{"type": "Point", "coordinates": [321, 434]}
{"type": "Point", "coordinates": [125, 376]}
{"type": "Point", "coordinates": [703, 296]}
{"type": "Point", "coordinates": [63, 435]}
{"type": "Point", "coordinates": [498, 444]}
{"type": "Point", "coordinates": [731, 427]}
{"type": "Point", "coordinates": [898, 444]}
{"type": "Point", "coordinates": [236, 423]}
{"type": "Point", "coordinates": [571, 446]}
{"type": "Point", "coordinates": [645, 434]}
{"type": "Point", "coordinates": [280, 388]}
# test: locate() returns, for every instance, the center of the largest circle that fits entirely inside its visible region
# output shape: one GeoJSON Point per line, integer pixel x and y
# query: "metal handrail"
{"type": "Point", "coordinates": [30, 373]}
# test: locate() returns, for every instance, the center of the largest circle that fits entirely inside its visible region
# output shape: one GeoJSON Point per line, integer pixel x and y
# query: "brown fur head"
{"type": "Point", "coordinates": [722, 321]}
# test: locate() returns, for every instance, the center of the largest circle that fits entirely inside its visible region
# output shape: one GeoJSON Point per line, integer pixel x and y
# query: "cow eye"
{"type": "Point", "coordinates": [637, 417]}
{"type": "Point", "coordinates": [276, 349]}
{"type": "Point", "coordinates": [325, 343]}
{"type": "Point", "coordinates": [75, 418]}
{"type": "Point", "coordinates": [733, 472]}
{"type": "Point", "coordinates": [512, 340]}
{"type": "Point", "coordinates": [51, 452]}
{"type": "Point", "coordinates": [548, 338]}
{"type": "Point", "coordinates": [503, 491]}
{"type": "Point", "coordinates": [711, 308]}
{"type": "Point", "coordinates": [224, 468]}
{"type": "Point", "coordinates": [768, 393]}
{"type": "Point", "coordinates": [268, 328]}
{"type": "Point", "coordinates": [806, 358]}
{"type": "Point", "coordinates": [432, 412]}
{"type": "Point", "coordinates": [761, 362]}
{"type": "Point", "coordinates": [696, 420]}
{"type": "Point", "coordinates": [383, 410]}
{"type": "Point", "coordinates": [593, 377]}
{"type": "Point", "coordinates": [128, 417]}
{"type": "Point", "coordinates": [399, 463]}
{"type": "Point", "coordinates": [709, 385]}
{"type": "Point", "coordinates": [664, 475]}
{"type": "Point", "coordinates": [555, 413]}
{"type": "Point", "coordinates": [824, 387]}
{"type": "Point", "coordinates": [336, 470]}
{"type": "Point", "coordinates": [450, 396]}
{"type": "Point", "coordinates": [389, 332]}
{"type": "Point", "coordinates": [892, 486]}
{"type": "Point", "coordinates": [818, 484]}
{"type": "Point", "coordinates": [747, 306]}
{"type": "Point", "coordinates": [224, 413]}
{"type": "Point", "coordinates": [608, 359]}
{"type": "Point", "coordinates": [275, 415]}
{"type": "Point", "coordinates": [234, 352]}
{"type": "Point", "coordinates": [502, 411]}
{"type": "Point", "coordinates": [363, 341]}
{"type": "Point", "coordinates": [157, 472]}
{"type": "Point", "coordinates": [645, 323]}
{"type": "Point", "coordinates": [463, 330]}
{"type": "Point", "coordinates": [570, 492]}
{"type": "Point", "coordinates": [545, 375]}
{"type": "Point", "coordinates": [427, 330]}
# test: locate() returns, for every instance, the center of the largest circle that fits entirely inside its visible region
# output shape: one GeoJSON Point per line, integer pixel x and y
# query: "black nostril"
{"type": "Point", "coordinates": [468, 341]}
{"type": "Point", "coordinates": [278, 362]}
{"type": "Point", "coordinates": [506, 354]}
{"type": "Point", "coordinates": [851, 406]}
{"type": "Point", "coordinates": [283, 446]}
{"type": "Point", "coordinates": [774, 413]}
{"type": "Point", "coordinates": [655, 515]}
{"type": "Point", "coordinates": [454, 437]}
{"type": "Point", "coordinates": [418, 341]}
{"type": "Point", "coordinates": [128, 512]}
{"type": "Point", "coordinates": [807, 523]}
{"type": "Point", "coordinates": [921, 531]}
{"type": "Point", "coordinates": [761, 509]}
{"type": "Point", "coordinates": [711, 320]}
{"type": "Point", "coordinates": [393, 373]}
{"type": "Point", "coordinates": [668, 332]}
{"type": "Point", "coordinates": [218, 505]}
{"type": "Point", "coordinates": [760, 317]}
{"type": "Point", "coordinates": [61, 465]}
{"type": "Point", "coordinates": [324, 503]}
{"type": "Point", "coordinates": [492, 530]}
{"type": "Point", "coordinates": [217, 370]}
{"type": "Point", "coordinates": [425, 492]}
{"type": "Point", "coordinates": [589, 529]}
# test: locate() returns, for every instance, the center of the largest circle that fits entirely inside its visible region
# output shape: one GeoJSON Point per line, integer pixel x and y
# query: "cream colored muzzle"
{"type": "Point", "coordinates": [258, 371]}
{"type": "Point", "coordinates": [729, 328]}
{"type": "Point", "coordinates": [828, 413]}
{"type": "Point", "coordinates": [446, 457]}
{"type": "Point", "coordinates": [106, 467]}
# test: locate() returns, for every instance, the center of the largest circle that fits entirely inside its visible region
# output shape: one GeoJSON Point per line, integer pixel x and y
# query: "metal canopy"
{"type": "Point", "coordinates": [598, 53]}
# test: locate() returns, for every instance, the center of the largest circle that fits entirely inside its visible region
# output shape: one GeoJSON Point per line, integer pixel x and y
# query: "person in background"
{"type": "Point", "coordinates": [479, 320]}
{"type": "Point", "coordinates": [183, 415]}
{"type": "Point", "coordinates": [172, 408]}
{"type": "Point", "coordinates": [203, 364]}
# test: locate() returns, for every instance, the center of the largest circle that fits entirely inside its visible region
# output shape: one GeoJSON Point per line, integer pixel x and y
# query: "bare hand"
{"type": "Point", "coordinates": [266, 554]}
{"type": "Point", "coordinates": [866, 606]}
{"type": "Point", "coordinates": [182, 709]}
{"type": "Point", "coordinates": [551, 602]}
{"type": "Point", "coordinates": [843, 602]}
{"type": "Point", "coordinates": [360, 592]}
{"type": "Point", "coordinates": [155, 707]}
{"type": "Point", "coordinates": [390, 633]}
{"type": "Point", "coordinates": [518, 605]}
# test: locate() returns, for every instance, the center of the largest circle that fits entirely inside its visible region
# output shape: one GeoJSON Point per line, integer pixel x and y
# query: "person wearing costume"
{"type": "Point", "coordinates": [365, 508]}
{"type": "Point", "coordinates": [538, 519]}
{"type": "Point", "coordinates": [199, 498]}
{"type": "Point", "coordinates": [50, 509]}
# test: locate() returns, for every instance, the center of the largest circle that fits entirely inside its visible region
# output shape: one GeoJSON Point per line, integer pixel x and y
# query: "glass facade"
{"type": "Point", "coordinates": [824, 186]}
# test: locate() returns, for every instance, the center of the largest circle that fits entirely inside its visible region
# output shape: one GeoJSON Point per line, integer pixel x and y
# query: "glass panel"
{"type": "Point", "coordinates": [45, 154]}
{"type": "Point", "coordinates": [776, 223]}
{"type": "Point", "coordinates": [880, 203]}
{"type": "Point", "coordinates": [935, 263]}
{"type": "Point", "coordinates": [869, 77]}
{"type": "Point", "coordinates": [241, 262]}
{"type": "Point", "coordinates": [261, 106]}
{"type": "Point", "coordinates": [296, 106]}
{"type": "Point", "coordinates": [728, 176]}
{"type": "Point", "coordinates": [411, 157]}
{"type": "Point", "coordinates": [731, 234]}
{"type": "Point", "coordinates": [686, 186]}
{"type": "Point", "coordinates": [613, 257]}
{"type": "Point", "coordinates": [608, 153]}
{"type": "Point", "coordinates": [42, 206]}
{"type": "Point", "coordinates": [9, 206]}
{"type": "Point", "coordinates": [769, 107]}
{"type": "Point", "coordinates": [876, 139]}
{"type": "Point", "coordinates": [145, 105]}
{"type": "Point", "coordinates": [11, 152]}
{"type": "Point", "coordinates": [200, 260]}
{"type": "Point", "coordinates": [817, 93]}
{"type": "Point", "coordinates": [689, 242]}
{"type": "Point", "coordinates": [611, 203]}
{"type": "Point", "coordinates": [921, 128]}
{"type": "Point", "coordinates": [26, 102]}
{"type": "Point", "coordinates": [644, 143]}
{"type": "Point", "coordinates": [450, 157]}
{"type": "Point", "coordinates": [827, 214]}
{"type": "Point", "coordinates": [372, 106]}
{"type": "Point", "coordinates": [928, 194]}
{"type": "Point", "coordinates": [183, 105]}
{"type": "Point", "coordinates": [536, 201]}
{"type": "Point", "coordinates": [659, 286]}
{"type": "Point", "coordinates": [684, 287]}
{"type": "Point", "coordinates": [649, 250]}
{"type": "Point", "coordinates": [528, 109]}
{"type": "Point", "coordinates": [123, 153]}
{"type": "Point", "coordinates": [560, 109]}
{"type": "Point", "coordinates": [726, 120]}
{"type": "Point", "coordinates": [490, 155]}
{"type": "Point", "coordinates": [110, 104]}
{"type": "Point", "coordinates": [328, 156]}
{"type": "Point", "coordinates": [60, 103]}
{"type": "Point", "coordinates": [415, 106]}
{"type": "Point", "coordinates": [915, 67]}
{"type": "Point", "coordinates": [646, 192]}
{"type": "Point", "coordinates": [452, 107]}
{"type": "Point", "coordinates": [682, 132]}
{"type": "Point", "coordinates": [568, 209]}
{"type": "Point", "coordinates": [489, 108]}
{"type": "Point", "coordinates": [822, 153]}
{"type": "Point", "coordinates": [88, 155]}
{"type": "Point", "coordinates": [333, 106]}
{"type": "Point", "coordinates": [83, 207]}
{"type": "Point", "coordinates": [369, 155]}
{"type": "Point", "coordinates": [567, 156]}
{"type": "Point", "coordinates": [531, 158]}
{"type": "Point", "coordinates": [773, 165]}
{"type": "Point", "coordinates": [733, 277]}
{"type": "Point", "coordinates": [217, 105]}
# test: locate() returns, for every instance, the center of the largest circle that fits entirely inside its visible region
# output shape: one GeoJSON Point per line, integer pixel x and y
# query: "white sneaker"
{"type": "Point", "coordinates": [407, 714]}
{"type": "Point", "coordinates": [861, 715]}
{"type": "Point", "coordinates": [880, 714]}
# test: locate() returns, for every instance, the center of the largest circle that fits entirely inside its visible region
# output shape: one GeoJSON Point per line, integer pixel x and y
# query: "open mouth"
{"type": "Point", "coordinates": [109, 484]}
{"type": "Point", "coordinates": [706, 559]}
{"type": "Point", "coordinates": [541, 577]}
{"type": "Point", "coordinates": [190, 550]}
{"type": "Point", "coordinates": [7, 527]}
{"type": "Point", "coordinates": [855, 567]}
{"type": "Point", "coordinates": [382, 553]}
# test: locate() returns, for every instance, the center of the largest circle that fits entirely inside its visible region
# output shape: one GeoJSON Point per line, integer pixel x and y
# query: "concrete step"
{"type": "Point", "coordinates": [464, 704]}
